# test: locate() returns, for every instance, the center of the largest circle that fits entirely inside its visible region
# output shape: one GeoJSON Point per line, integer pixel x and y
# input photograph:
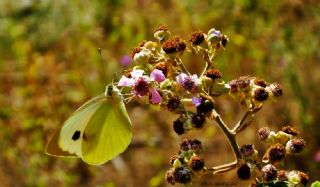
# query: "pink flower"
{"type": "Point", "coordinates": [141, 87]}
{"type": "Point", "coordinates": [157, 75]}
{"type": "Point", "coordinates": [196, 101]}
{"type": "Point", "coordinates": [125, 60]}
{"type": "Point", "coordinates": [189, 83]}
{"type": "Point", "coordinates": [141, 84]}
{"type": "Point", "coordinates": [155, 97]}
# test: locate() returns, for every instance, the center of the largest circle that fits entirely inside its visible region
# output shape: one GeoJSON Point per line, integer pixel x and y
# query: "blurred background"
{"type": "Point", "coordinates": [50, 65]}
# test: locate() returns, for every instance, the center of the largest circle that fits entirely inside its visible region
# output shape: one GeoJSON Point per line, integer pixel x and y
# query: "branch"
{"type": "Point", "coordinates": [246, 120]}
{"type": "Point", "coordinates": [223, 168]}
{"type": "Point", "coordinates": [229, 134]}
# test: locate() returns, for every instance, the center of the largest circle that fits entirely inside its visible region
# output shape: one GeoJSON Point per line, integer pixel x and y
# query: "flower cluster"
{"type": "Point", "coordinates": [157, 75]}
{"type": "Point", "coordinates": [252, 91]}
{"type": "Point", "coordinates": [187, 163]}
{"type": "Point", "coordinates": [281, 144]}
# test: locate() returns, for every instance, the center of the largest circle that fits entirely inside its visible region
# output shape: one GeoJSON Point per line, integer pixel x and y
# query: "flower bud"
{"type": "Point", "coordinates": [170, 176]}
{"type": "Point", "coordinates": [214, 36]}
{"type": "Point", "coordinates": [276, 89]}
{"type": "Point", "coordinates": [248, 152]}
{"type": "Point", "coordinates": [143, 56]}
{"type": "Point", "coordinates": [295, 146]}
{"type": "Point", "coordinates": [263, 133]}
{"type": "Point", "coordinates": [162, 33]}
{"type": "Point", "coordinates": [269, 172]}
{"type": "Point", "coordinates": [297, 177]}
{"type": "Point", "coordinates": [283, 137]}
{"type": "Point", "coordinates": [224, 41]}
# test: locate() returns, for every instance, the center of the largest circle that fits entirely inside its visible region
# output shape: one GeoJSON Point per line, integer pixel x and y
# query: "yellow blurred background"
{"type": "Point", "coordinates": [50, 65]}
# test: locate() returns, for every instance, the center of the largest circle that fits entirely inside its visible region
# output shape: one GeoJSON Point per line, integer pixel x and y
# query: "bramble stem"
{"type": "Point", "coordinates": [223, 168]}
{"type": "Point", "coordinates": [229, 134]}
{"type": "Point", "coordinates": [182, 66]}
{"type": "Point", "coordinates": [246, 120]}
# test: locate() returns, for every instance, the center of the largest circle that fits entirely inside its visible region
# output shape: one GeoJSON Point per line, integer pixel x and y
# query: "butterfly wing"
{"type": "Point", "coordinates": [107, 134]}
{"type": "Point", "coordinates": [67, 140]}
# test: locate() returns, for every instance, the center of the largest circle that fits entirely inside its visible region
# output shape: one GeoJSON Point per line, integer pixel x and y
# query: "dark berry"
{"type": "Point", "coordinates": [196, 163]}
{"type": "Point", "coordinates": [182, 175]}
{"type": "Point", "coordinates": [260, 94]}
{"type": "Point", "coordinates": [185, 145]}
{"type": "Point", "coordinates": [244, 172]}
{"type": "Point", "coordinates": [178, 126]}
{"type": "Point", "coordinates": [173, 104]}
{"type": "Point", "coordinates": [198, 120]}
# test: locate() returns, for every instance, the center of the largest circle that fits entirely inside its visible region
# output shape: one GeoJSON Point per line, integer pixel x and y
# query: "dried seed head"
{"type": "Point", "coordinates": [276, 153]}
{"type": "Point", "coordinates": [290, 130]}
{"type": "Point", "coordinates": [304, 178]}
{"type": "Point", "coordinates": [295, 146]}
{"type": "Point", "coordinates": [185, 145]}
{"type": "Point", "coordinates": [282, 175]}
{"type": "Point", "coordinates": [197, 37]}
{"type": "Point", "coordinates": [276, 89]}
{"type": "Point", "coordinates": [182, 175]}
{"type": "Point", "coordinates": [260, 82]}
{"type": "Point", "coordinates": [163, 67]}
{"type": "Point", "coordinates": [161, 28]}
{"type": "Point", "coordinates": [213, 74]}
{"type": "Point", "coordinates": [196, 163]}
{"type": "Point", "coordinates": [196, 146]}
{"type": "Point", "coordinates": [244, 172]}
{"type": "Point", "coordinates": [269, 172]}
{"type": "Point", "coordinates": [263, 133]}
{"type": "Point", "coordinates": [247, 150]}
{"type": "Point", "coordinates": [173, 45]}
{"type": "Point", "coordinates": [137, 49]}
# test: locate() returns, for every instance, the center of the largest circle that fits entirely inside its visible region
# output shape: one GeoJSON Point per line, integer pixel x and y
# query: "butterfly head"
{"type": "Point", "coordinates": [113, 92]}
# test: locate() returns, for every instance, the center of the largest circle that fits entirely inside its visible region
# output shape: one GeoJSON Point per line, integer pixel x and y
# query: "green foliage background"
{"type": "Point", "coordinates": [49, 65]}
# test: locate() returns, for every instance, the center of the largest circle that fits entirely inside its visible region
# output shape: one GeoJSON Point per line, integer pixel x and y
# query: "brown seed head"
{"type": "Point", "coordinates": [197, 37]}
{"type": "Point", "coordinates": [172, 45]}
{"type": "Point", "coordinates": [213, 74]}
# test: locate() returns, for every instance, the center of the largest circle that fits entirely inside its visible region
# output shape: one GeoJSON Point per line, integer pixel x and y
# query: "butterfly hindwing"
{"type": "Point", "coordinates": [107, 134]}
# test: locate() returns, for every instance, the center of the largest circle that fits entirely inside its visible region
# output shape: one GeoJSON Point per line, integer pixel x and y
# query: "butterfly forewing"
{"type": "Point", "coordinates": [71, 134]}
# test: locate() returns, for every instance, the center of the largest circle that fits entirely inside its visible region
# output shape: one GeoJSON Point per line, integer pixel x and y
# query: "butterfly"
{"type": "Point", "coordinates": [96, 132]}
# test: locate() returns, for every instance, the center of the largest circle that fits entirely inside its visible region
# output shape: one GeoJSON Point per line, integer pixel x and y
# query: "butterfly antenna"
{"type": "Point", "coordinates": [104, 75]}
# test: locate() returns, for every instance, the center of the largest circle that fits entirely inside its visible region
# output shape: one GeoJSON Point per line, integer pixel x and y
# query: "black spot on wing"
{"type": "Point", "coordinates": [76, 135]}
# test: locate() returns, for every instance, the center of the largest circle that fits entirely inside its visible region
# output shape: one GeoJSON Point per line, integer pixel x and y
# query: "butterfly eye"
{"type": "Point", "coordinates": [76, 135]}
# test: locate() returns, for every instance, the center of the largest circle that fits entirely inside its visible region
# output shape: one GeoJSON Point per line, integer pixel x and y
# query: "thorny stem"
{"type": "Point", "coordinates": [229, 134]}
